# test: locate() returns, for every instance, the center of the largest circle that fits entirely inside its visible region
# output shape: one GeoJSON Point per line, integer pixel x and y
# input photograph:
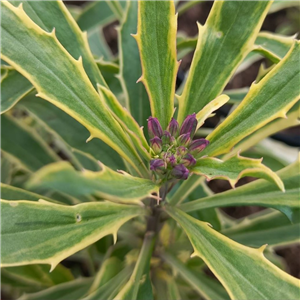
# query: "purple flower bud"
{"type": "Point", "coordinates": [181, 151]}
{"type": "Point", "coordinates": [189, 125]}
{"type": "Point", "coordinates": [198, 145]}
{"type": "Point", "coordinates": [180, 172]}
{"type": "Point", "coordinates": [157, 165]}
{"type": "Point", "coordinates": [156, 144]}
{"type": "Point", "coordinates": [154, 128]}
{"type": "Point", "coordinates": [184, 139]}
{"type": "Point", "coordinates": [170, 160]}
{"type": "Point", "coordinates": [166, 137]}
{"type": "Point", "coordinates": [188, 160]}
{"type": "Point", "coordinates": [173, 128]}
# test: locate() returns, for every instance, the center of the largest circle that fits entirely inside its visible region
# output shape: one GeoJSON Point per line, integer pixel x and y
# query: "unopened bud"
{"type": "Point", "coordinates": [156, 144]}
{"type": "Point", "coordinates": [157, 165]}
{"type": "Point", "coordinates": [173, 128]}
{"type": "Point", "coordinates": [188, 160]}
{"type": "Point", "coordinates": [171, 160]}
{"type": "Point", "coordinates": [189, 125]}
{"type": "Point", "coordinates": [184, 139]}
{"type": "Point", "coordinates": [181, 151]}
{"type": "Point", "coordinates": [197, 146]}
{"type": "Point", "coordinates": [166, 138]}
{"type": "Point", "coordinates": [180, 172]}
{"type": "Point", "coordinates": [154, 128]}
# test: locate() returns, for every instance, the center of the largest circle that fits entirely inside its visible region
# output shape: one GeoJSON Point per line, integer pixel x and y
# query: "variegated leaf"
{"type": "Point", "coordinates": [106, 183]}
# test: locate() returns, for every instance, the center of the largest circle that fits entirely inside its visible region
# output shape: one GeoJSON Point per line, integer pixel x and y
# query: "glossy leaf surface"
{"type": "Point", "coordinates": [156, 39]}
{"type": "Point", "coordinates": [244, 272]}
{"type": "Point", "coordinates": [106, 183]}
{"type": "Point", "coordinates": [43, 232]}
{"type": "Point", "coordinates": [223, 43]}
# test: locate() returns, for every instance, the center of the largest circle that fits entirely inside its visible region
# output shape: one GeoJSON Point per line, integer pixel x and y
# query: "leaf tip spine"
{"type": "Point", "coordinates": [140, 79]}
{"type": "Point", "coordinates": [262, 248]}
{"type": "Point", "coordinates": [89, 138]}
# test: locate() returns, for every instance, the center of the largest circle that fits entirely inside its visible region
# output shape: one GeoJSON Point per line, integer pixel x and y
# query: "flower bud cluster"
{"type": "Point", "coordinates": [174, 149]}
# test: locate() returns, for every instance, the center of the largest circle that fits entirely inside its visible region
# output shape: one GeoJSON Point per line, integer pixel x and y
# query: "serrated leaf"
{"type": "Point", "coordinates": [156, 39]}
{"type": "Point", "coordinates": [205, 287]}
{"type": "Point", "coordinates": [267, 100]}
{"type": "Point", "coordinates": [223, 42]}
{"type": "Point", "coordinates": [25, 145]}
{"type": "Point", "coordinates": [106, 183]}
{"type": "Point", "coordinates": [47, 233]}
{"type": "Point", "coordinates": [71, 131]}
{"type": "Point", "coordinates": [14, 87]}
{"type": "Point", "coordinates": [62, 81]}
{"type": "Point", "coordinates": [272, 228]}
{"type": "Point", "coordinates": [244, 272]}
{"type": "Point", "coordinates": [130, 67]}
{"type": "Point", "coordinates": [271, 128]}
{"type": "Point", "coordinates": [53, 14]}
{"type": "Point", "coordinates": [235, 168]}
{"type": "Point", "coordinates": [273, 46]}
{"type": "Point", "coordinates": [128, 123]}
{"type": "Point", "coordinates": [74, 290]}
{"type": "Point", "coordinates": [259, 192]}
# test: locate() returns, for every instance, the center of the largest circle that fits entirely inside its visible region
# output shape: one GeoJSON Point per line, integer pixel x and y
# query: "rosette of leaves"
{"type": "Point", "coordinates": [78, 168]}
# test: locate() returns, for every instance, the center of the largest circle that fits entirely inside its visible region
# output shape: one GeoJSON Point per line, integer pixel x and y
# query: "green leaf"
{"type": "Point", "coordinates": [94, 14]}
{"type": "Point", "coordinates": [53, 14]}
{"type": "Point", "coordinates": [259, 192]}
{"type": "Point", "coordinates": [71, 131]}
{"type": "Point", "coordinates": [272, 228]}
{"type": "Point", "coordinates": [273, 46]}
{"type": "Point", "coordinates": [235, 168]}
{"type": "Point", "coordinates": [292, 119]}
{"type": "Point", "coordinates": [25, 145]}
{"type": "Point", "coordinates": [236, 95]}
{"type": "Point", "coordinates": [116, 8]}
{"type": "Point", "coordinates": [244, 272]}
{"type": "Point", "coordinates": [205, 287]}
{"type": "Point", "coordinates": [7, 168]}
{"type": "Point", "coordinates": [13, 88]}
{"type": "Point", "coordinates": [109, 269]}
{"type": "Point", "coordinates": [140, 272]}
{"type": "Point", "coordinates": [130, 67]}
{"type": "Point", "coordinates": [128, 123]}
{"type": "Point", "coordinates": [156, 39]}
{"type": "Point", "coordinates": [267, 100]}
{"type": "Point", "coordinates": [108, 290]}
{"type": "Point", "coordinates": [279, 5]}
{"type": "Point", "coordinates": [106, 183]}
{"type": "Point", "coordinates": [98, 45]}
{"type": "Point", "coordinates": [223, 43]}
{"type": "Point", "coordinates": [74, 290]}
{"type": "Point", "coordinates": [37, 276]}
{"type": "Point", "coordinates": [60, 79]}
{"type": "Point", "coordinates": [9, 192]}
{"type": "Point", "coordinates": [47, 233]}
